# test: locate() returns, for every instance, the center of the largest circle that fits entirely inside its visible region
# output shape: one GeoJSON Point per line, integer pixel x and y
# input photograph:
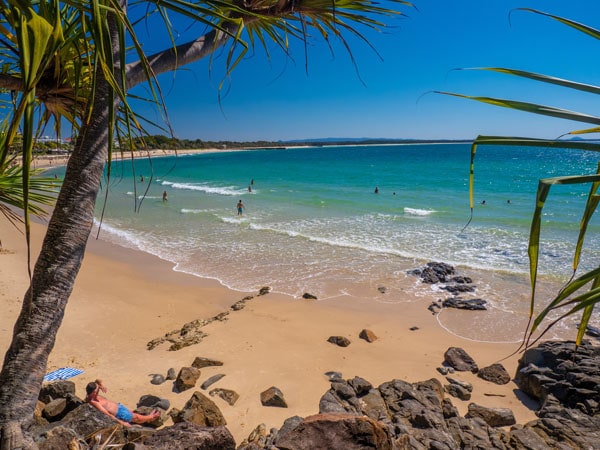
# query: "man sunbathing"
{"type": "Point", "coordinates": [115, 410]}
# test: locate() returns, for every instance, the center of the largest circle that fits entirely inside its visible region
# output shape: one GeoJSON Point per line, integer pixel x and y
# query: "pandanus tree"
{"type": "Point", "coordinates": [581, 293]}
{"type": "Point", "coordinates": [75, 61]}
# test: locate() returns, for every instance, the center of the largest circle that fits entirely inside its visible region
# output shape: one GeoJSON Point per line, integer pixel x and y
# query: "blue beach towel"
{"type": "Point", "coordinates": [63, 373]}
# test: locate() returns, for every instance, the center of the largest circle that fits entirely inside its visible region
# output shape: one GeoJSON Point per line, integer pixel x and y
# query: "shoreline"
{"type": "Point", "coordinates": [124, 298]}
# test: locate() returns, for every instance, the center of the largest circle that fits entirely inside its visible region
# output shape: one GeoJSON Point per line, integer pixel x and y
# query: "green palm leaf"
{"type": "Point", "coordinates": [570, 294]}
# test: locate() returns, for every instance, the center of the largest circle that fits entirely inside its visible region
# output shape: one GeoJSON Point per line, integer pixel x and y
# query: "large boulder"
{"type": "Point", "coordinates": [56, 389]}
{"type": "Point", "coordinates": [188, 436]}
{"type": "Point", "coordinates": [337, 431]}
{"type": "Point", "coordinates": [200, 410]}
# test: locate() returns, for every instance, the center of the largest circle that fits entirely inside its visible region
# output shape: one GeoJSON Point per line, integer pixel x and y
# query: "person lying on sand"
{"type": "Point", "coordinates": [115, 410]}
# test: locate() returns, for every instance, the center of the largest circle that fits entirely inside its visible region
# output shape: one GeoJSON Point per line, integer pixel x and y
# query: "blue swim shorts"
{"type": "Point", "coordinates": [124, 414]}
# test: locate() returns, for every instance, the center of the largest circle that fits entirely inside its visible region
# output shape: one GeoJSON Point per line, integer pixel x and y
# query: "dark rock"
{"type": "Point", "coordinates": [190, 436]}
{"type": "Point", "coordinates": [339, 340]}
{"type": "Point", "coordinates": [55, 410]}
{"type": "Point", "coordinates": [226, 394]}
{"type": "Point", "coordinates": [212, 380]}
{"type": "Point", "coordinates": [60, 407]}
{"type": "Point", "coordinates": [337, 431]}
{"type": "Point", "coordinates": [308, 296]}
{"type": "Point", "coordinates": [152, 401]}
{"type": "Point", "coordinates": [592, 331]}
{"type": "Point", "coordinates": [556, 368]}
{"type": "Point", "coordinates": [461, 280]}
{"type": "Point", "coordinates": [264, 290]}
{"type": "Point", "coordinates": [458, 391]}
{"type": "Point", "coordinates": [86, 420]}
{"type": "Point", "coordinates": [413, 328]}
{"type": "Point", "coordinates": [186, 379]}
{"type": "Point", "coordinates": [458, 288]}
{"type": "Point", "coordinates": [496, 373]}
{"type": "Point", "coordinates": [241, 304]}
{"type": "Point", "coordinates": [494, 417]}
{"type": "Point", "coordinates": [200, 410]}
{"type": "Point", "coordinates": [367, 335]}
{"type": "Point", "coordinates": [146, 411]}
{"type": "Point", "coordinates": [474, 304]}
{"type": "Point", "coordinates": [436, 272]}
{"type": "Point", "coordinates": [333, 375]}
{"type": "Point", "coordinates": [157, 379]}
{"type": "Point", "coordinates": [457, 358]}
{"type": "Point", "coordinates": [200, 362]}
{"type": "Point", "coordinates": [171, 374]}
{"type": "Point", "coordinates": [434, 307]}
{"type": "Point", "coordinates": [360, 385]}
{"type": "Point", "coordinates": [56, 389]}
{"type": "Point", "coordinates": [464, 384]}
{"type": "Point", "coordinates": [289, 424]}
{"type": "Point", "coordinates": [59, 438]}
{"type": "Point", "coordinates": [382, 289]}
{"type": "Point", "coordinates": [273, 397]}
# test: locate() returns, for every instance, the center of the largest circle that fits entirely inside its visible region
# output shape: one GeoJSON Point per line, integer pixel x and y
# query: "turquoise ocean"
{"type": "Point", "coordinates": [313, 223]}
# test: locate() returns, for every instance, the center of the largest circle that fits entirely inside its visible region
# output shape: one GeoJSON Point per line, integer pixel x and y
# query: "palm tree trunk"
{"type": "Point", "coordinates": [53, 277]}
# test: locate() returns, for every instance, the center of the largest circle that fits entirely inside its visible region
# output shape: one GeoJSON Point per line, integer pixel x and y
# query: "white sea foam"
{"type": "Point", "coordinates": [219, 190]}
{"type": "Point", "coordinates": [418, 212]}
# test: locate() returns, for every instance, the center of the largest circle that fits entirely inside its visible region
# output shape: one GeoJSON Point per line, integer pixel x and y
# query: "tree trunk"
{"type": "Point", "coordinates": [54, 275]}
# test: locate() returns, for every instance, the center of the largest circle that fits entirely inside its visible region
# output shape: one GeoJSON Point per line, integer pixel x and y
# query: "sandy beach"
{"type": "Point", "coordinates": [123, 299]}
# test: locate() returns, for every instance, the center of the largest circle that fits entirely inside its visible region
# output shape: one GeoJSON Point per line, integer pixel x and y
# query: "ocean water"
{"type": "Point", "coordinates": [313, 222]}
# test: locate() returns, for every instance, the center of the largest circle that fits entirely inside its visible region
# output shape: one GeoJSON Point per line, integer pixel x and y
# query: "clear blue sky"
{"type": "Point", "coordinates": [277, 100]}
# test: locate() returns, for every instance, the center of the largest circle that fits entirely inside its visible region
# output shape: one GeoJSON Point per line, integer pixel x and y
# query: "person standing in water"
{"type": "Point", "coordinates": [164, 196]}
{"type": "Point", "coordinates": [240, 208]}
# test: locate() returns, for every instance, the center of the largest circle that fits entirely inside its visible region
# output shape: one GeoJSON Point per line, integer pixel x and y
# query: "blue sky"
{"type": "Point", "coordinates": [275, 99]}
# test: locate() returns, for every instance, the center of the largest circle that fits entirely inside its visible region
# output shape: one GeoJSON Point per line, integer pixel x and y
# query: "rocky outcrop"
{"type": "Point", "coordinates": [186, 436]}
{"type": "Point", "coordinates": [354, 414]}
{"type": "Point", "coordinates": [337, 431]}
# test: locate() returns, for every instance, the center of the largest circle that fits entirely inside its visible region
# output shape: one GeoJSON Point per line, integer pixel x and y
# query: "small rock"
{"type": "Point", "coordinates": [226, 394]}
{"type": "Point", "coordinates": [382, 289]}
{"type": "Point", "coordinates": [464, 384]}
{"type": "Point", "coordinates": [333, 375]}
{"type": "Point", "coordinates": [308, 296]}
{"type": "Point", "coordinates": [456, 390]}
{"type": "Point", "coordinates": [496, 373]}
{"type": "Point", "coordinates": [171, 374]}
{"type": "Point", "coordinates": [186, 379]}
{"type": "Point", "coordinates": [339, 340]}
{"type": "Point", "coordinates": [474, 304]}
{"type": "Point", "coordinates": [434, 308]}
{"type": "Point", "coordinates": [367, 335]}
{"type": "Point", "coordinates": [273, 397]}
{"type": "Point", "coordinates": [212, 380]}
{"type": "Point", "coordinates": [201, 362]}
{"type": "Point", "coordinates": [413, 328]}
{"type": "Point", "coordinates": [264, 290]}
{"type": "Point", "coordinates": [157, 379]}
